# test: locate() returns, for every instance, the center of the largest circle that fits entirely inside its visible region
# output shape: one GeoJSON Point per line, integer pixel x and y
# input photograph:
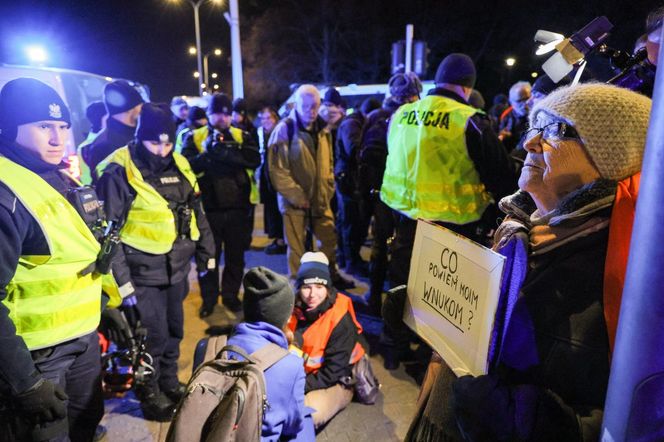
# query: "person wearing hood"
{"type": "Point", "coordinates": [50, 290]}
{"type": "Point", "coordinates": [153, 194]}
{"type": "Point", "coordinates": [326, 329]}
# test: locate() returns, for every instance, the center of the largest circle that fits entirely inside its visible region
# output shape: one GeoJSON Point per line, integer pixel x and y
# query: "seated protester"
{"type": "Point", "coordinates": [153, 193]}
{"type": "Point", "coordinates": [549, 373]}
{"type": "Point", "coordinates": [268, 304]}
{"type": "Point", "coordinates": [325, 327]}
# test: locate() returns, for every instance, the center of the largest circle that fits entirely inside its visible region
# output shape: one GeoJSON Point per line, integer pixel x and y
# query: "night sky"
{"type": "Point", "coordinates": [147, 40]}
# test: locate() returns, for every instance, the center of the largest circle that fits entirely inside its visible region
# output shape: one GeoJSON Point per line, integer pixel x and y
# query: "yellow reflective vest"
{"type": "Point", "coordinates": [201, 134]}
{"type": "Point", "coordinates": [150, 225]}
{"type": "Point", "coordinates": [428, 173]}
{"type": "Point", "coordinates": [48, 300]}
{"type": "Point", "coordinates": [86, 175]}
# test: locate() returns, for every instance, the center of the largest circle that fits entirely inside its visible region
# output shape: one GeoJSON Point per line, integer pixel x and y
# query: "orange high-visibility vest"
{"type": "Point", "coordinates": [318, 334]}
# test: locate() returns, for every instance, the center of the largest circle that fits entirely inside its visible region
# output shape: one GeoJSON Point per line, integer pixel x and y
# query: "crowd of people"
{"type": "Point", "coordinates": [535, 177]}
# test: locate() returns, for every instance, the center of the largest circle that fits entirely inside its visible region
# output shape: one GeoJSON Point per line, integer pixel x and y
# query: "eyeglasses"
{"type": "Point", "coordinates": [552, 131]}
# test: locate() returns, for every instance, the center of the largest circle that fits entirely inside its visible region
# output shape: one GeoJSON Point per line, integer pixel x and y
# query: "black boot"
{"type": "Point", "coordinates": [156, 406]}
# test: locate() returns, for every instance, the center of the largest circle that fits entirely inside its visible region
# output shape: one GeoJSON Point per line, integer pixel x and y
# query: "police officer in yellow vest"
{"type": "Point", "coordinates": [224, 158]}
{"type": "Point", "coordinates": [153, 193]}
{"type": "Point", "coordinates": [444, 163]}
{"type": "Point", "coordinates": [50, 293]}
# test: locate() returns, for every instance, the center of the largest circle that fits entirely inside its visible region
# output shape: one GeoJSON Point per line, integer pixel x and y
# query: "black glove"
{"type": "Point", "coordinates": [115, 327]}
{"type": "Point", "coordinates": [486, 409]}
{"type": "Point", "coordinates": [44, 402]}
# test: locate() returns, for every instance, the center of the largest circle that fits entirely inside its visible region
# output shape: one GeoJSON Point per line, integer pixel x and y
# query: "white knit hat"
{"type": "Point", "coordinates": [611, 121]}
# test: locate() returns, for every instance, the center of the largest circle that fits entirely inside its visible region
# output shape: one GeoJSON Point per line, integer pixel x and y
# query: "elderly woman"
{"type": "Point", "coordinates": [549, 373]}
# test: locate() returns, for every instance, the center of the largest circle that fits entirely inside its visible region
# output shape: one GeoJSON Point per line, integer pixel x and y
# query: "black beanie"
{"type": "Point", "coordinates": [120, 96]}
{"type": "Point", "coordinates": [195, 113]}
{"type": "Point", "coordinates": [240, 106]}
{"type": "Point", "coordinates": [268, 297]}
{"type": "Point", "coordinates": [220, 104]}
{"type": "Point", "coordinates": [94, 113]}
{"type": "Point", "coordinates": [26, 100]}
{"type": "Point", "coordinates": [155, 124]}
{"type": "Point", "coordinates": [456, 69]}
{"type": "Point", "coordinates": [314, 269]}
{"type": "Point", "coordinates": [333, 96]}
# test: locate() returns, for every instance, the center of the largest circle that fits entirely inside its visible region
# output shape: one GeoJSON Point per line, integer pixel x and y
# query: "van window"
{"type": "Point", "coordinates": [81, 90]}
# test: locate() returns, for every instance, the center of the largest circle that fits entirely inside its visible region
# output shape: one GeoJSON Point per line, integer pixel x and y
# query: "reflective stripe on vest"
{"type": "Point", "coordinates": [318, 334]}
{"type": "Point", "coordinates": [48, 301]}
{"type": "Point", "coordinates": [150, 225]}
{"type": "Point", "coordinates": [201, 134]}
{"type": "Point", "coordinates": [428, 173]}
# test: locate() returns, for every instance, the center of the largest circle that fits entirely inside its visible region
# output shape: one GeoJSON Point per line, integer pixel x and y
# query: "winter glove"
{"type": "Point", "coordinates": [487, 410]}
{"type": "Point", "coordinates": [44, 402]}
{"type": "Point", "coordinates": [115, 327]}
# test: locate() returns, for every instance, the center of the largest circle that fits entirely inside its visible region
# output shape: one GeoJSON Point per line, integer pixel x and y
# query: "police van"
{"type": "Point", "coordinates": [77, 88]}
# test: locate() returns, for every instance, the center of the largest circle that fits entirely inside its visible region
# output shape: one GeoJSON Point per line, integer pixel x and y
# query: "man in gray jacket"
{"type": "Point", "coordinates": [302, 172]}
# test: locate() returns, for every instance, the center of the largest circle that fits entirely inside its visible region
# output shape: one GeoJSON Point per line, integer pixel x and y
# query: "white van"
{"type": "Point", "coordinates": [77, 88]}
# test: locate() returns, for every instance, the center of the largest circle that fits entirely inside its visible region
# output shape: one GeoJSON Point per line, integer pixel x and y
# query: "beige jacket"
{"type": "Point", "coordinates": [302, 171]}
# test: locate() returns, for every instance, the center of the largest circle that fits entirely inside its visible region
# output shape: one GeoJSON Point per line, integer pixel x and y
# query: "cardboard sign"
{"type": "Point", "coordinates": [453, 289]}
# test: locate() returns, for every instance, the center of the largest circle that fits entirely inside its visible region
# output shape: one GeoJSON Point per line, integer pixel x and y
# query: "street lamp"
{"type": "Point", "coordinates": [510, 61]}
{"type": "Point", "coordinates": [196, 4]}
{"type": "Point", "coordinates": [216, 52]}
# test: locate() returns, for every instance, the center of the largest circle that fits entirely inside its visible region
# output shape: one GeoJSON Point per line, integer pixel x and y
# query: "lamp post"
{"type": "Point", "coordinates": [216, 52]}
{"type": "Point", "coordinates": [196, 4]}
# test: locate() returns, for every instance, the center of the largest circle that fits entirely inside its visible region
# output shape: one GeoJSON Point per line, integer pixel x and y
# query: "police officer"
{"type": "Point", "coordinates": [225, 158]}
{"type": "Point", "coordinates": [153, 193]}
{"type": "Point", "coordinates": [444, 164]}
{"type": "Point", "coordinates": [51, 295]}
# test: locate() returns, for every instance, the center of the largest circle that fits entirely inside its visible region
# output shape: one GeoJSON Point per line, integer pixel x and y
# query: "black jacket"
{"type": "Point", "coordinates": [339, 347]}
{"type": "Point", "coordinates": [112, 137]}
{"type": "Point", "coordinates": [225, 183]}
{"type": "Point", "coordinates": [349, 139]}
{"type": "Point", "coordinates": [20, 234]}
{"type": "Point", "coordinates": [148, 269]}
{"type": "Point", "coordinates": [496, 169]}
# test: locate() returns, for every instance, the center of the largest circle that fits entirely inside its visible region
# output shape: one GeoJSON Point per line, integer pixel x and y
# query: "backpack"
{"type": "Point", "coordinates": [372, 154]}
{"type": "Point", "coordinates": [225, 397]}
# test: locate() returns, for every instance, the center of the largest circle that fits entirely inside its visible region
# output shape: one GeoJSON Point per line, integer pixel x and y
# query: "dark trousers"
{"type": "Point", "coordinates": [352, 226]}
{"type": "Point", "coordinates": [383, 230]}
{"type": "Point", "coordinates": [76, 367]}
{"type": "Point", "coordinates": [231, 228]}
{"type": "Point", "coordinates": [272, 220]}
{"type": "Point", "coordinates": [162, 316]}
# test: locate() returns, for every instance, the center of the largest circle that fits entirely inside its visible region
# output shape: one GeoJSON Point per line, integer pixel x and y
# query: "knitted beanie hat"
{"type": "Point", "coordinates": [456, 69]}
{"type": "Point", "coordinates": [220, 104]}
{"type": "Point", "coordinates": [314, 269]}
{"type": "Point", "coordinates": [95, 112]}
{"type": "Point", "coordinates": [26, 100]}
{"type": "Point", "coordinates": [120, 96]}
{"type": "Point", "coordinates": [155, 124]}
{"type": "Point", "coordinates": [268, 297]}
{"type": "Point", "coordinates": [611, 121]}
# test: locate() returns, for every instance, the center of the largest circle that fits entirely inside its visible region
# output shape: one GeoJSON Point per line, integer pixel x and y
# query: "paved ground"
{"type": "Point", "coordinates": [387, 420]}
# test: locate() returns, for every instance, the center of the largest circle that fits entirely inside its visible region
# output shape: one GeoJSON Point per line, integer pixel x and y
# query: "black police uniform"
{"type": "Point", "coordinates": [160, 281]}
{"type": "Point", "coordinates": [225, 188]}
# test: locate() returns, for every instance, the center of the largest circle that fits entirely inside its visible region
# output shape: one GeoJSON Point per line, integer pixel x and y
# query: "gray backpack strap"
{"type": "Point", "coordinates": [269, 355]}
{"type": "Point", "coordinates": [214, 346]}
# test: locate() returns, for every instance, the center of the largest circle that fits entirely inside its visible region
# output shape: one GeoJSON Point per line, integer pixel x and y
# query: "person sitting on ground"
{"type": "Point", "coordinates": [268, 304]}
{"type": "Point", "coordinates": [549, 374]}
{"type": "Point", "coordinates": [325, 328]}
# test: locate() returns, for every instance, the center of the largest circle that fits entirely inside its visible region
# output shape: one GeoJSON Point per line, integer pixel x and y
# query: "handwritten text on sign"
{"type": "Point", "coordinates": [452, 296]}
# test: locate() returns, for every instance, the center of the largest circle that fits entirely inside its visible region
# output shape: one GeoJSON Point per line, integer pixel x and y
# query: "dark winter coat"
{"type": "Point", "coordinates": [552, 371]}
{"type": "Point", "coordinates": [224, 182]}
{"type": "Point", "coordinates": [148, 269]}
{"type": "Point", "coordinates": [111, 138]}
